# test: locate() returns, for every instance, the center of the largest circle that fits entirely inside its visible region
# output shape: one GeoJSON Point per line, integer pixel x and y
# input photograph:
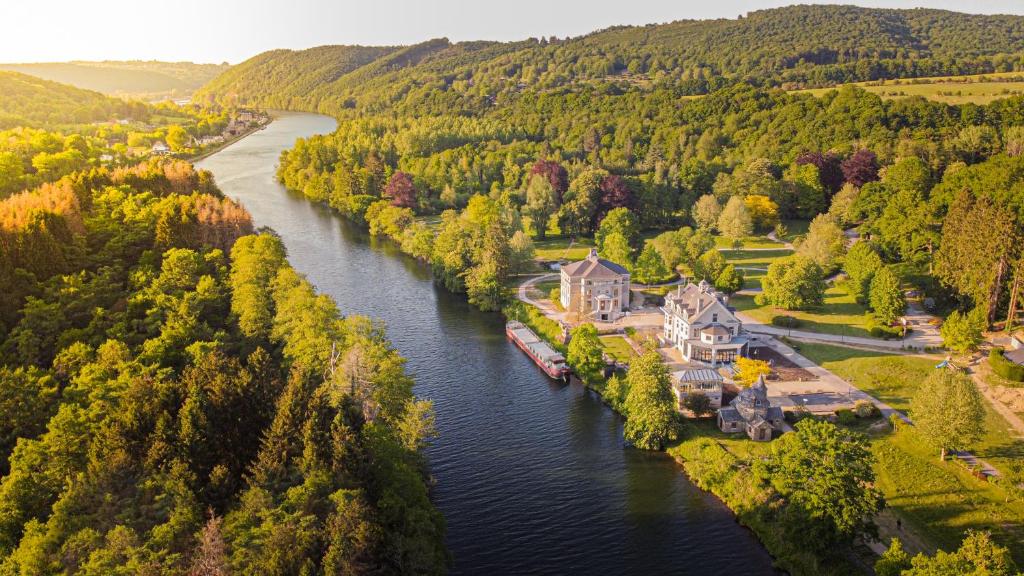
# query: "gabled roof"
{"type": "Point", "coordinates": [594, 268]}
{"type": "Point", "coordinates": [697, 299]}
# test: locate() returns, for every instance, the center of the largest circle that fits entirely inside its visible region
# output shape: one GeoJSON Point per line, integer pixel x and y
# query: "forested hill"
{"type": "Point", "coordinates": [30, 101]}
{"type": "Point", "coordinates": [797, 46]}
{"type": "Point", "coordinates": [141, 79]}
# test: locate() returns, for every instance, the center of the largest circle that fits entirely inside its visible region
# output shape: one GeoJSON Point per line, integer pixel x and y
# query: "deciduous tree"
{"type": "Point", "coordinates": [947, 412]}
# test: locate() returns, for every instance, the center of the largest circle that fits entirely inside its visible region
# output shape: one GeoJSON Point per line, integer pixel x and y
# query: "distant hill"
{"type": "Point", "coordinates": [140, 79]}
{"type": "Point", "coordinates": [792, 47]}
{"type": "Point", "coordinates": [29, 101]}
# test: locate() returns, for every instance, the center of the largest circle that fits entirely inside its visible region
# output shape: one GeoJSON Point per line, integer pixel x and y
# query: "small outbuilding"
{"type": "Point", "coordinates": [751, 412]}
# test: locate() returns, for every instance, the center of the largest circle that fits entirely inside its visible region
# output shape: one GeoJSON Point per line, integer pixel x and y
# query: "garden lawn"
{"type": "Point", "coordinates": [617, 347]}
{"type": "Point", "coordinates": [748, 242]}
{"type": "Point", "coordinates": [840, 314]}
{"type": "Point", "coordinates": [795, 229]}
{"type": "Point", "coordinates": [562, 248]}
{"type": "Point", "coordinates": [755, 258]}
{"type": "Point", "coordinates": [941, 500]}
{"type": "Point", "coordinates": [892, 378]}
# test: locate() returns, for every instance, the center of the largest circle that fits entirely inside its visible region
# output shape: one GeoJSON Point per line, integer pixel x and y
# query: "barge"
{"type": "Point", "coordinates": [549, 360]}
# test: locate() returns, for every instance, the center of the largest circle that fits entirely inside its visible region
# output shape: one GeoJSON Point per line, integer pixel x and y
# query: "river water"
{"type": "Point", "coordinates": [532, 476]}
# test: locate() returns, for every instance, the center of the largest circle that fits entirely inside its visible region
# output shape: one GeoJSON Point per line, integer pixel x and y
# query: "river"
{"type": "Point", "coordinates": [532, 476]}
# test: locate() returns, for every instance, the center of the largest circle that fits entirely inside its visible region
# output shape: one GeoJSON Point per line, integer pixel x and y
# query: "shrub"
{"type": "Point", "coordinates": [1005, 368]}
{"type": "Point", "coordinates": [786, 321]}
{"type": "Point", "coordinates": [864, 409]}
{"type": "Point", "coordinates": [845, 416]}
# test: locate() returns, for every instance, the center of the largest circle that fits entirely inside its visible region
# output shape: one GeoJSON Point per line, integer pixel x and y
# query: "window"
{"type": "Point", "coordinates": [714, 317]}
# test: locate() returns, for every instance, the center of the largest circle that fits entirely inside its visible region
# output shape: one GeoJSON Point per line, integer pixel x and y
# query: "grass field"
{"type": "Point", "coordinates": [840, 314]}
{"type": "Point", "coordinates": [891, 378]}
{"type": "Point", "coordinates": [939, 501]}
{"type": "Point", "coordinates": [617, 347]}
{"type": "Point", "coordinates": [755, 258]}
{"type": "Point", "coordinates": [748, 242]}
{"type": "Point", "coordinates": [562, 248]}
{"type": "Point", "coordinates": [977, 89]}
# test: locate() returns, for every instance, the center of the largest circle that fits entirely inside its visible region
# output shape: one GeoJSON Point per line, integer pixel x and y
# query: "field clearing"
{"type": "Point", "coordinates": [748, 242]}
{"type": "Point", "coordinates": [755, 258]}
{"type": "Point", "coordinates": [840, 314]}
{"type": "Point", "coordinates": [976, 89]}
{"type": "Point", "coordinates": [560, 249]}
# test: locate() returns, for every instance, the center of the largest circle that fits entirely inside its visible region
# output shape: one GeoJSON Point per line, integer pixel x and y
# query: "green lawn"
{"type": "Point", "coordinates": [795, 229]}
{"type": "Point", "coordinates": [559, 248]}
{"type": "Point", "coordinates": [939, 501]}
{"type": "Point", "coordinates": [748, 242]}
{"type": "Point", "coordinates": [617, 347]}
{"type": "Point", "coordinates": [976, 89]}
{"type": "Point", "coordinates": [755, 258]}
{"type": "Point", "coordinates": [892, 378]}
{"type": "Point", "coordinates": [840, 314]}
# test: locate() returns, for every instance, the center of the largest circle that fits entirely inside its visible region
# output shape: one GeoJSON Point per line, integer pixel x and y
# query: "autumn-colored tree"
{"type": "Point", "coordinates": [861, 167]}
{"type": "Point", "coordinates": [401, 190]}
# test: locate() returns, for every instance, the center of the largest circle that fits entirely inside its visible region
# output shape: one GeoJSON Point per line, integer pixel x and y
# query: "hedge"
{"type": "Point", "coordinates": [786, 321]}
{"type": "Point", "coordinates": [1005, 368]}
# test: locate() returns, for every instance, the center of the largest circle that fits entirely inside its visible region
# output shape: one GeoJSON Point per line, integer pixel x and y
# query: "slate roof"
{"type": "Point", "coordinates": [595, 268]}
{"type": "Point", "coordinates": [730, 414]}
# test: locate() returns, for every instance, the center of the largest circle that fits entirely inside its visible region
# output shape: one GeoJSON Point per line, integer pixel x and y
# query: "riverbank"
{"type": "Point", "coordinates": [532, 475]}
{"type": "Point", "coordinates": [228, 142]}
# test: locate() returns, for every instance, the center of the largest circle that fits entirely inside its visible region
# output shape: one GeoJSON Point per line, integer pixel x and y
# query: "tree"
{"type": "Point", "coordinates": [484, 287]}
{"type": "Point", "coordinates": [554, 173]}
{"type": "Point", "coordinates": [886, 298]}
{"type": "Point", "coordinates": [578, 213]}
{"type": "Point", "coordinates": [978, 555]}
{"type": "Point", "coordinates": [706, 212]}
{"type": "Point", "coordinates": [749, 370]}
{"type": "Point", "coordinates": [541, 203]}
{"type": "Point", "coordinates": [792, 283]}
{"type": "Point", "coordinates": [893, 561]}
{"type": "Point", "coordinates": [861, 263]}
{"type": "Point", "coordinates": [977, 249]}
{"type": "Point", "coordinates": [615, 193]}
{"type": "Point", "coordinates": [649, 267]}
{"type": "Point", "coordinates": [729, 280]}
{"type": "Point", "coordinates": [764, 213]}
{"type": "Point", "coordinates": [735, 221]}
{"type": "Point", "coordinates": [585, 353]}
{"type": "Point", "coordinates": [620, 220]}
{"type": "Point", "coordinates": [829, 167]}
{"type": "Point", "coordinates": [177, 138]}
{"type": "Point", "coordinates": [671, 245]}
{"type": "Point", "coordinates": [910, 173]}
{"type": "Point", "coordinates": [975, 143]}
{"type": "Point", "coordinates": [698, 403]}
{"type": "Point", "coordinates": [962, 332]}
{"type": "Point", "coordinates": [825, 243]}
{"type": "Point", "coordinates": [841, 211]}
{"type": "Point", "coordinates": [617, 249]}
{"type": "Point", "coordinates": [401, 190]}
{"type": "Point", "coordinates": [947, 411]}
{"type": "Point", "coordinates": [826, 473]}
{"type": "Point", "coordinates": [650, 404]}
{"type": "Point", "coordinates": [861, 167]}
{"type": "Point", "coordinates": [210, 558]}
{"type": "Point", "coordinates": [710, 265]}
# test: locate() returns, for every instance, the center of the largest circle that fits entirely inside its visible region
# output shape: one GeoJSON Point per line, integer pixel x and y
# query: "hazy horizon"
{"type": "Point", "coordinates": [234, 30]}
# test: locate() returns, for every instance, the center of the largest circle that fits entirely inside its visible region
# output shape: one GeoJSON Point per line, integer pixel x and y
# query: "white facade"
{"type": "Point", "coordinates": [701, 326]}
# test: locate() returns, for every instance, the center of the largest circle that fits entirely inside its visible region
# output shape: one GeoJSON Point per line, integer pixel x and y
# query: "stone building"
{"type": "Point", "coordinates": [594, 289]}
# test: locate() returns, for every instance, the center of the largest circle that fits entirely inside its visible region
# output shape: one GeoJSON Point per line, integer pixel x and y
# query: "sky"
{"type": "Point", "coordinates": [233, 30]}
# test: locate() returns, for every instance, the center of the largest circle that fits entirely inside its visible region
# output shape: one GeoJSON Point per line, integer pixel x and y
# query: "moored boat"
{"type": "Point", "coordinates": [549, 360]}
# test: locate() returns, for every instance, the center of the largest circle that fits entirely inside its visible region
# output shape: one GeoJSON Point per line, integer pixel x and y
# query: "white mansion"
{"type": "Point", "coordinates": [595, 289]}
{"type": "Point", "coordinates": [698, 322]}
